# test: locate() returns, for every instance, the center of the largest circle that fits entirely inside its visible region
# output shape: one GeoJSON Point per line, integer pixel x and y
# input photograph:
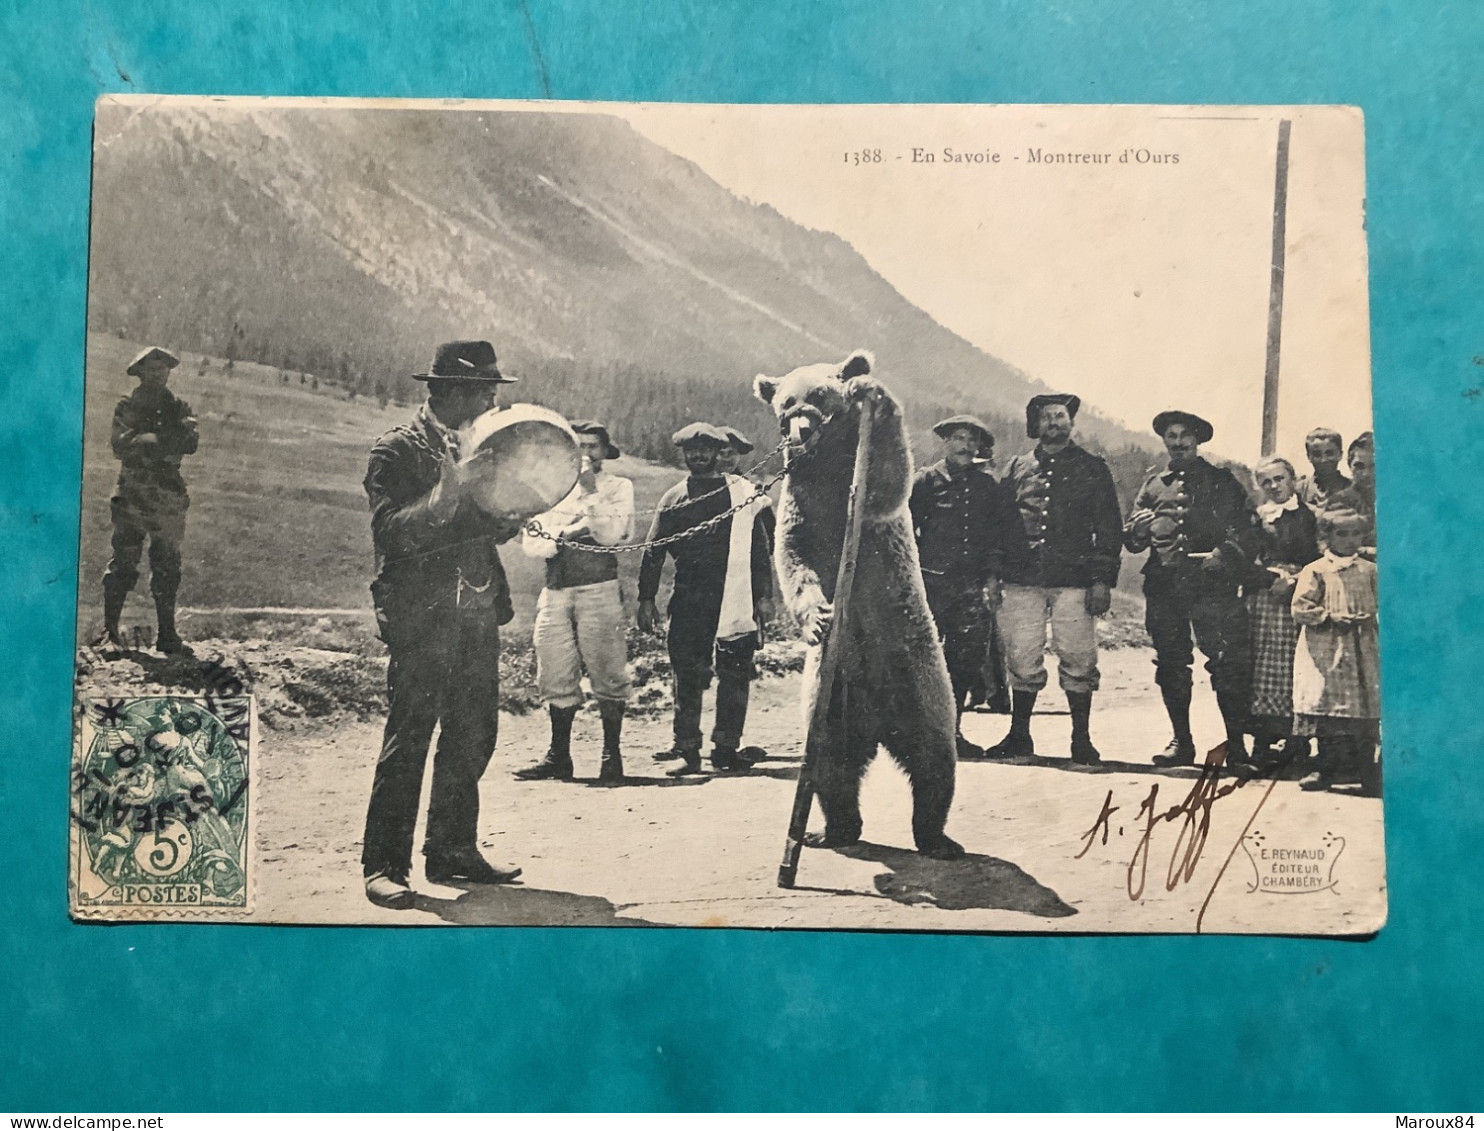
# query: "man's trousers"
{"type": "Point", "coordinates": [445, 673]}
{"type": "Point", "coordinates": [963, 627]}
{"type": "Point", "coordinates": [1025, 610]}
{"type": "Point", "coordinates": [693, 651]}
{"type": "Point", "coordinates": [1181, 603]}
{"type": "Point", "coordinates": [576, 628]}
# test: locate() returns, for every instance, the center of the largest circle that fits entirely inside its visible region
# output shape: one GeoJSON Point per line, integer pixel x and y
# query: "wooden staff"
{"type": "Point", "coordinates": [829, 659]}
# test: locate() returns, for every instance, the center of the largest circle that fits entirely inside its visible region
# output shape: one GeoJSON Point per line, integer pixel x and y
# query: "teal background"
{"type": "Point", "coordinates": [204, 1018]}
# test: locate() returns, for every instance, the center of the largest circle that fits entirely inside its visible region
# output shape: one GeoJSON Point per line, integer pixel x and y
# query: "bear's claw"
{"type": "Point", "coordinates": [941, 848]}
{"type": "Point", "coordinates": [828, 839]}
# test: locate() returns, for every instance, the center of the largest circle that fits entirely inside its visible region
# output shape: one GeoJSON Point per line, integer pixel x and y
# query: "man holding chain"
{"type": "Point", "coordinates": [723, 595]}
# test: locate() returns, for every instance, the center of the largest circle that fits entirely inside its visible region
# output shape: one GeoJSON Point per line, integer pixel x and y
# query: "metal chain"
{"type": "Point", "coordinates": [535, 530]}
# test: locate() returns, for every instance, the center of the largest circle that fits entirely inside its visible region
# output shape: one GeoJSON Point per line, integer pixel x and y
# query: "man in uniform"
{"type": "Point", "coordinates": [1060, 566]}
{"type": "Point", "coordinates": [579, 616]}
{"type": "Point", "coordinates": [153, 430]}
{"type": "Point", "coordinates": [1198, 525]}
{"type": "Point", "coordinates": [723, 596]}
{"type": "Point", "coordinates": [441, 597]}
{"type": "Point", "coordinates": [958, 518]}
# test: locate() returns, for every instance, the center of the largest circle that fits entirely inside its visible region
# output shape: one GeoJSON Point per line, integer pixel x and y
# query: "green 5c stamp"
{"type": "Point", "coordinates": [160, 807]}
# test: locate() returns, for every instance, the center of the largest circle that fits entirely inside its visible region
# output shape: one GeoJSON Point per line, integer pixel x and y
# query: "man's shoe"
{"type": "Point", "coordinates": [551, 768]}
{"type": "Point", "coordinates": [470, 867]}
{"type": "Point", "coordinates": [389, 890]}
{"type": "Point", "coordinates": [691, 764]}
{"type": "Point", "coordinates": [1012, 746]}
{"type": "Point", "coordinates": [1180, 752]}
{"type": "Point", "coordinates": [726, 760]}
{"type": "Point", "coordinates": [1318, 780]}
{"type": "Point", "coordinates": [1084, 753]}
{"type": "Point", "coordinates": [109, 640]}
{"type": "Point", "coordinates": [968, 751]}
{"type": "Point", "coordinates": [169, 642]}
{"type": "Point", "coordinates": [752, 755]}
{"type": "Point", "coordinates": [610, 772]}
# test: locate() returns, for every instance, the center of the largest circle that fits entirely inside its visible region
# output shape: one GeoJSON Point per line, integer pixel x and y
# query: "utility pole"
{"type": "Point", "coordinates": [1275, 295]}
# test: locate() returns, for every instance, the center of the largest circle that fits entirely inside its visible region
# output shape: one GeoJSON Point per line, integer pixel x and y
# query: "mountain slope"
{"type": "Point", "coordinates": [347, 242]}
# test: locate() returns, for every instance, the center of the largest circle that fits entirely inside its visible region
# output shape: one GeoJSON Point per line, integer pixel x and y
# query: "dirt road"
{"type": "Point", "coordinates": [704, 851]}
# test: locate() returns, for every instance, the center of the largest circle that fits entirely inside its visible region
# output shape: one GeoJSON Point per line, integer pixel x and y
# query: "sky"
{"type": "Point", "coordinates": [1140, 284]}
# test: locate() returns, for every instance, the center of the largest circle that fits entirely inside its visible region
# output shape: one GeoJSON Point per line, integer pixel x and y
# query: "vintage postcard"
{"type": "Point", "coordinates": [944, 518]}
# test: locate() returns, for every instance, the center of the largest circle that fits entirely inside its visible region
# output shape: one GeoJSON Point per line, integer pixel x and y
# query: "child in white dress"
{"type": "Point", "coordinates": [1336, 686]}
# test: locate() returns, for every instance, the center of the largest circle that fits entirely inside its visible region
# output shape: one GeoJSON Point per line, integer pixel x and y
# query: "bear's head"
{"type": "Point", "coordinates": [811, 395]}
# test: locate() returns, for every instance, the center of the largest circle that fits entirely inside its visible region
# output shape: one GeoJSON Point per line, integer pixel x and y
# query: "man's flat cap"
{"type": "Point", "coordinates": [153, 353]}
{"type": "Point", "coordinates": [700, 433]}
{"type": "Point", "coordinates": [737, 440]}
{"type": "Point", "coordinates": [1201, 427]}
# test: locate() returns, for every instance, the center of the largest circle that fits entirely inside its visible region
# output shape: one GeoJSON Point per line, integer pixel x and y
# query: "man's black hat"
{"type": "Point", "coordinates": [465, 361]}
{"type": "Point", "coordinates": [153, 353]}
{"type": "Point", "coordinates": [1037, 403]}
{"type": "Point", "coordinates": [702, 434]}
{"type": "Point", "coordinates": [593, 428]}
{"type": "Point", "coordinates": [943, 427]}
{"type": "Point", "coordinates": [1202, 427]}
{"type": "Point", "coordinates": [738, 441]}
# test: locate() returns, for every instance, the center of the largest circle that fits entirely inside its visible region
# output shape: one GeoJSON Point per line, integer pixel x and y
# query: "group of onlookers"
{"type": "Point", "coordinates": [1279, 594]}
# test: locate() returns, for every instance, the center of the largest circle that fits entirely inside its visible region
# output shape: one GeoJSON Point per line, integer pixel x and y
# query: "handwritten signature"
{"type": "Point", "coordinates": [1193, 815]}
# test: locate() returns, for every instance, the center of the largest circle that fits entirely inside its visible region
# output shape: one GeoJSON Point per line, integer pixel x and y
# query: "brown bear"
{"type": "Point", "coordinates": [892, 686]}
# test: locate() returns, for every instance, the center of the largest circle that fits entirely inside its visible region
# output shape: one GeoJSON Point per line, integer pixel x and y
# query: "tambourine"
{"type": "Point", "coordinates": [532, 463]}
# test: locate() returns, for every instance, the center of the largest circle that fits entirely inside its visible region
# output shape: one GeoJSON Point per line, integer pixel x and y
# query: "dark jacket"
{"type": "Point", "coordinates": [701, 561]}
{"type": "Point", "coordinates": [159, 413]}
{"type": "Point", "coordinates": [422, 565]}
{"type": "Point", "coordinates": [1068, 529]}
{"type": "Point", "coordinates": [959, 520]}
{"type": "Point", "coordinates": [1197, 510]}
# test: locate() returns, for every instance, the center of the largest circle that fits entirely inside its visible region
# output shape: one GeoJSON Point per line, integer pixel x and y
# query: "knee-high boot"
{"type": "Point", "coordinates": [611, 771]}
{"type": "Point", "coordinates": [1079, 704]}
{"type": "Point", "coordinates": [557, 765]}
{"type": "Point", "coordinates": [1181, 750]}
{"type": "Point", "coordinates": [1017, 741]}
{"type": "Point", "coordinates": [114, 596]}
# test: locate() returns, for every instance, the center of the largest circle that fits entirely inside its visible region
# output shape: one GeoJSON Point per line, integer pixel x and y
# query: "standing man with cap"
{"type": "Point", "coordinates": [579, 615]}
{"type": "Point", "coordinates": [958, 517]}
{"type": "Point", "coordinates": [441, 597]}
{"type": "Point", "coordinates": [153, 430]}
{"type": "Point", "coordinates": [1198, 525]}
{"type": "Point", "coordinates": [723, 595]}
{"type": "Point", "coordinates": [1061, 563]}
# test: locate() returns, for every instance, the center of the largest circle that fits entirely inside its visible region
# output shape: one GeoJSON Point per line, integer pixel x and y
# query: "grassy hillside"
{"type": "Point", "coordinates": [278, 516]}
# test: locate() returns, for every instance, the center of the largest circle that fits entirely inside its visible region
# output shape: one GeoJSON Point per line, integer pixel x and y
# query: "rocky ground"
{"type": "Point", "coordinates": [704, 851]}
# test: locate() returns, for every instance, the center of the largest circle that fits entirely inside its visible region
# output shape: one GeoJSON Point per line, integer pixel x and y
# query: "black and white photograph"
{"type": "Point", "coordinates": [897, 518]}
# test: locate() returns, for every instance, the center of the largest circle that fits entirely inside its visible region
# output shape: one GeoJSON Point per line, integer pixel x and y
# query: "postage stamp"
{"type": "Point", "coordinates": [161, 806]}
